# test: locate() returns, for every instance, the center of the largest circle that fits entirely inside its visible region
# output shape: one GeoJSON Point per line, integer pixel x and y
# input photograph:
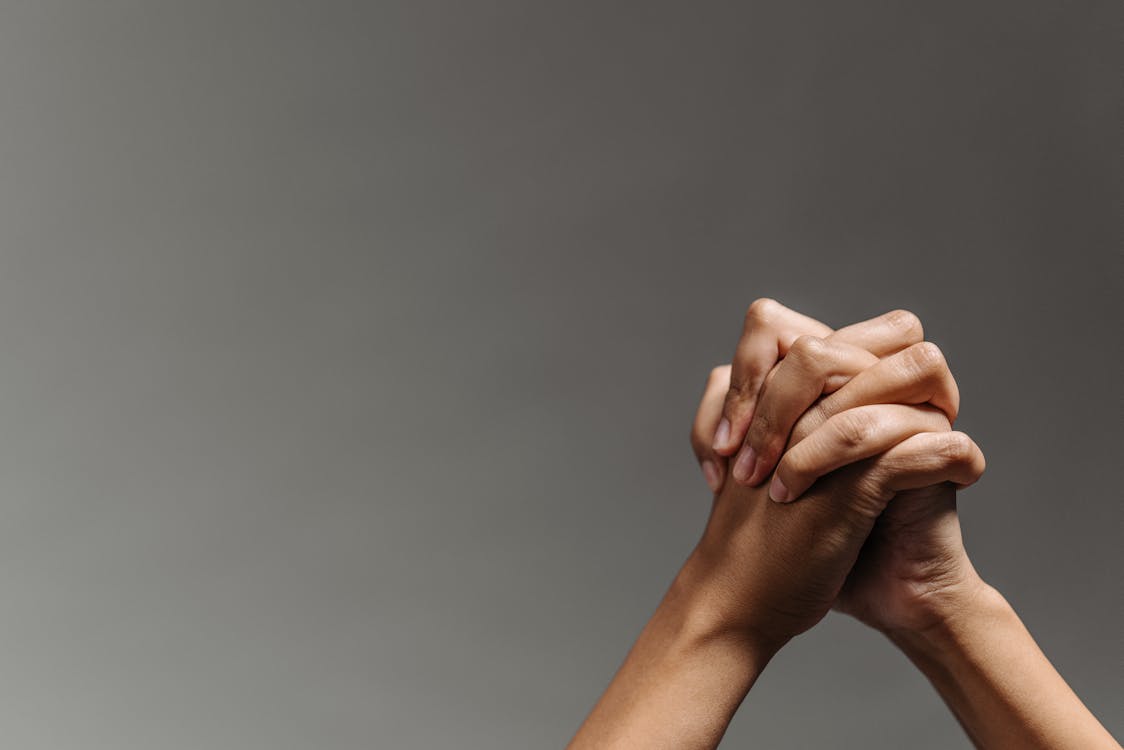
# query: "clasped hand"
{"type": "Point", "coordinates": [835, 469]}
{"type": "Point", "coordinates": [854, 427]}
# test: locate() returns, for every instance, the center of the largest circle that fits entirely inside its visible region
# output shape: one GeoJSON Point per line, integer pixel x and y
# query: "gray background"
{"type": "Point", "coordinates": [349, 350]}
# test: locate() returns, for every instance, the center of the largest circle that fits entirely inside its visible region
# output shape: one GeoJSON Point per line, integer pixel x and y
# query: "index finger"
{"type": "Point", "coordinates": [885, 334]}
{"type": "Point", "coordinates": [813, 373]}
{"type": "Point", "coordinates": [769, 330]}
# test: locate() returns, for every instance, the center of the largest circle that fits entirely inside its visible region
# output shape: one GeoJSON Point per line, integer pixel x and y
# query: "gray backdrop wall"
{"type": "Point", "coordinates": [349, 350]}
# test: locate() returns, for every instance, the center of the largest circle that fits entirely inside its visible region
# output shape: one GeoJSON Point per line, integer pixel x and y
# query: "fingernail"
{"type": "Point", "coordinates": [744, 463]}
{"type": "Point", "coordinates": [722, 434]}
{"type": "Point", "coordinates": [778, 492]}
{"type": "Point", "coordinates": [712, 475]}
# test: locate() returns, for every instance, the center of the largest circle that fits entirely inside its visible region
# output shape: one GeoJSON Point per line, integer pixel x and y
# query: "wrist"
{"type": "Point", "coordinates": [685, 676]}
{"type": "Point", "coordinates": [952, 614]}
{"type": "Point", "coordinates": [1002, 688]}
{"type": "Point", "coordinates": [707, 612]}
{"type": "Point", "coordinates": [921, 596]}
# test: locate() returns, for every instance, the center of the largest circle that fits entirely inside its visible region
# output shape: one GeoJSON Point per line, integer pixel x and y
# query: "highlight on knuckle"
{"type": "Point", "coordinates": [808, 350]}
{"type": "Point", "coordinates": [760, 311]}
{"type": "Point", "coordinates": [924, 360]}
{"type": "Point", "coordinates": [906, 322]}
{"type": "Point", "coordinates": [956, 448]}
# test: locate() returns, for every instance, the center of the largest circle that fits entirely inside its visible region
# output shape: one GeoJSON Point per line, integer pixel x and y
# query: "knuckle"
{"type": "Point", "coordinates": [955, 448]}
{"type": "Point", "coordinates": [760, 428]}
{"type": "Point", "coordinates": [760, 310]}
{"type": "Point", "coordinates": [906, 322]}
{"type": "Point", "coordinates": [873, 492]}
{"type": "Point", "coordinates": [737, 391]}
{"type": "Point", "coordinates": [808, 349]}
{"type": "Point", "coordinates": [854, 430]}
{"type": "Point", "coordinates": [925, 359]}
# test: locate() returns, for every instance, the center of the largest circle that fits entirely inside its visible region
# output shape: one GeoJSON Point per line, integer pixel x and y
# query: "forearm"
{"type": "Point", "coordinates": [681, 682]}
{"type": "Point", "coordinates": [998, 683]}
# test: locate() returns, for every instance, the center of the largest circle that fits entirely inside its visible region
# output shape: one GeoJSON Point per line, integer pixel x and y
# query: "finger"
{"type": "Point", "coordinates": [884, 335]}
{"type": "Point", "coordinates": [927, 459]}
{"type": "Point", "coordinates": [868, 340]}
{"type": "Point", "coordinates": [770, 328]}
{"type": "Point", "coordinates": [706, 421]}
{"type": "Point", "coordinates": [848, 437]}
{"type": "Point", "coordinates": [915, 375]}
{"type": "Point", "coordinates": [812, 367]}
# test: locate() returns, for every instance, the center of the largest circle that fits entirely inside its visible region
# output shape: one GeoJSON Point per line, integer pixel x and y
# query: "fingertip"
{"type": "Point", "coordinates": [712, 474]}
{"type": "Point", "coordinates": [722, 436]}
{"type": "Point", "coordinates": [745, 464]}
{"type": "Point", "coordinates": [778, 492]}
{"type": "Point", "coordinates": [761, 469]}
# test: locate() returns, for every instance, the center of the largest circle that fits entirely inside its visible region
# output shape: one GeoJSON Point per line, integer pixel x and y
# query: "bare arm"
{"type": "Point", "coordinates": [683, 679]}
{"type": "Point", "coordinates": [765, 571]}
{"type": "Point", "coordinates": [998, 683]}
{"type": "Point", "coordinates": [913, 581]}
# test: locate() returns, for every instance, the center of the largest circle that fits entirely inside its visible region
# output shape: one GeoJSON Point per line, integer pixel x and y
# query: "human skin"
{"type": "Point", "coordinates": [916, 558]}
{"type": "Point", "coordinates": [913, 580]}
{"type": "Point", "coordinates": [763, 571]}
